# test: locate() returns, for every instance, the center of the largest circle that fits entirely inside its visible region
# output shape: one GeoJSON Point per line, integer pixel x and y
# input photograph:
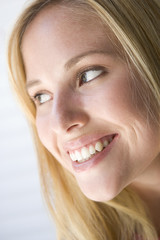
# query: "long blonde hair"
{"type": "Point", "coordinates": [136, 24]}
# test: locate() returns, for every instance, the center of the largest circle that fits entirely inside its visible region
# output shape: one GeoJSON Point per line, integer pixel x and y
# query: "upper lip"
{"type": "Point", "coordinates": [83, 140]}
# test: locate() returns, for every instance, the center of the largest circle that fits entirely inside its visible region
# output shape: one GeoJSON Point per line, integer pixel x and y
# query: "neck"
{"type": "Point", "coordinates": [151, 198]}
{"type": "Point", "coordinates": [148, 188]}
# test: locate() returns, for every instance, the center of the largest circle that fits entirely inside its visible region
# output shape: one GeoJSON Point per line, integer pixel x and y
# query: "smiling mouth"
{"type": "Point", "coordinates": [87, 152]}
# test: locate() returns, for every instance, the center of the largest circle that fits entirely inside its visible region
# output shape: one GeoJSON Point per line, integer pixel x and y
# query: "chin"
{"type": "Point", "coordinates": [101, 194]}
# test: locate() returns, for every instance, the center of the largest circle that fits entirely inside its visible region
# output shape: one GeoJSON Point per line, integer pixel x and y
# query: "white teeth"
{"type": "Point", "coordinates": [85, 153]}
{"type": "Point", "coordinates": [78, 155]}
{"type": "Point", "coordinates": [105, 143]}
{"type": "Point", "coordinates": [73, 157]}
{"type": "Point", "coordinates": [92, 150]}
{"type": "Point", "coordinates": [99, 146]}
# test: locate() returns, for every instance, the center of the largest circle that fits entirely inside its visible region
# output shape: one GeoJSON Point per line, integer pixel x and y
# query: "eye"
{"type": "Point", "coordinates": [41, 98]}
{"type": "Point", "coordinates": [90, 75]}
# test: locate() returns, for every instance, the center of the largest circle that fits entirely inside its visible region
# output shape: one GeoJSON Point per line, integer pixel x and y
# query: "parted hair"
{"type": "Point", "coordinates": [136, 25]}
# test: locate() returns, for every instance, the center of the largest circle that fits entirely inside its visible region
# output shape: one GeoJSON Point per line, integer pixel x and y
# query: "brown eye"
{"type": "Point", "coordinates": [90, 75]}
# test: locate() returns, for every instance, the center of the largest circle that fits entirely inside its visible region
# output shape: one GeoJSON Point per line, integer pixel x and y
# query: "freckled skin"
{"type": "Point", "coordinates": [103, 105]}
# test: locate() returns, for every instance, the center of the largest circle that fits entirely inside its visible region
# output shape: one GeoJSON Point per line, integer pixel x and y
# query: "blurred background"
{"type": "Point", "coordinates": [23, 215]}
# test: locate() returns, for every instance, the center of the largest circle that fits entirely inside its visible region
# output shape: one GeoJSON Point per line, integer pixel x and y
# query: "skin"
{"type": "Point", "coordinates": [102, 106]}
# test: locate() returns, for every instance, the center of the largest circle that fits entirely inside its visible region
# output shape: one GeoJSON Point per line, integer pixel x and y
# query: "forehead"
{"type": "Point", "coordinates": [58, 34]}
{"type": "Point", "coordinates": [62, 21]}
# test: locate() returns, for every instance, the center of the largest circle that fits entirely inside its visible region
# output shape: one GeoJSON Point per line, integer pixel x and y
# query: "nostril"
{"type": "Point", "coordinates": [73, 126]}
{"type": "Point", "coordinates": [67, 118]}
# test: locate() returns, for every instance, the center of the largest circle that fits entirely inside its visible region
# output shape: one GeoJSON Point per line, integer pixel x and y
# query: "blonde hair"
{"type": "Point", "coordinates": [136, 24]}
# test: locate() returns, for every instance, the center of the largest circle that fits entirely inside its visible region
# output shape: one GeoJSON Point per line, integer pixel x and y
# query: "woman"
{"type": "Point", "coordinates": [87, 74]}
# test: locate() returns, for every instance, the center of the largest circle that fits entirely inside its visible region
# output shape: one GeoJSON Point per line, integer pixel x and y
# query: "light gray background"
{"type": "Point", "coordinates": [23, 215]}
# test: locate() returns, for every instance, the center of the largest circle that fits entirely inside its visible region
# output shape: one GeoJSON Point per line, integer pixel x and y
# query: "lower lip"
{"type": "Point", "coordinates": [80, 167]}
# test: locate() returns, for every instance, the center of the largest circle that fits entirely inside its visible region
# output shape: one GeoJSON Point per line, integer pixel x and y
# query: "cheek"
{"type": "Point", "coordinates": [113, 101]}
{"type": "Point", "coordinates": [44, 131]}
{"type": "Point", "coordinates": [49, 140]}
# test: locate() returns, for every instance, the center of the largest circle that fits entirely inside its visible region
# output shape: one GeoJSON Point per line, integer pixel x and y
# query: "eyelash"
{"type": "Point", "coordinates": [92, 68]}
{"type": "Point", "coordinates": [40, 94]}
{"type": "Point", "coordinates": [102, 70]}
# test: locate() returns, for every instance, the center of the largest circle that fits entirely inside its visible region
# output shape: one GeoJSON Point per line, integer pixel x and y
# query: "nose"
{"type": "Point", "coordinates": [67, 112]}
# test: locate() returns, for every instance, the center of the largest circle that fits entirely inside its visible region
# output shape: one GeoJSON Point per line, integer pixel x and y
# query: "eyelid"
{"type": "Point", "coordinates": [39, 93]}
{"type": "Point", "coordinates": [90, 68]}
{"type": "Point", "coordinates": [78, 76]}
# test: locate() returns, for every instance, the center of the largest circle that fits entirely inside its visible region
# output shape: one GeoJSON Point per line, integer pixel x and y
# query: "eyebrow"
{"type": "Point", "coordinates": [32, 83]}
{"type": "Point", "coordinates": [73, 61]}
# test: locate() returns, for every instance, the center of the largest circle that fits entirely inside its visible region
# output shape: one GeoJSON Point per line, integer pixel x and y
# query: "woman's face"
{"type": "Point", "coordinates": [86, 116]}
